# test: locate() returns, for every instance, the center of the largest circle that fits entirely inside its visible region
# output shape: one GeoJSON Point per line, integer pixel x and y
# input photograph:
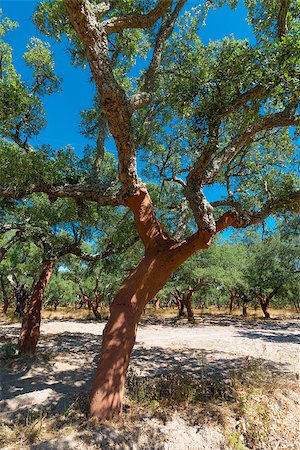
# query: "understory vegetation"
{"type": "Point", "coordinates": [247, 407]}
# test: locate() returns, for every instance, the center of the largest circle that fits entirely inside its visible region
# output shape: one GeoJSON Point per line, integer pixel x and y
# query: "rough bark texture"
{"type": "Point", "coordinates": [30, 330]}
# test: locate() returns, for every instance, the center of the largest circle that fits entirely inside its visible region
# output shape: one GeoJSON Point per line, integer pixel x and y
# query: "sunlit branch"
{"type": "Point", "coordinates": [117, 24]}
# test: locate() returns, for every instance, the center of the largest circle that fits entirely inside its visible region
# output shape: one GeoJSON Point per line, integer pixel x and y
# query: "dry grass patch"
{"type": "Point", "coordinates": [251, 409]}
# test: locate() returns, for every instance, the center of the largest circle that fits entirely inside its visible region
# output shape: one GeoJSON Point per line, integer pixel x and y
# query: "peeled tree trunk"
{"type": "Point", "coordinates": [264, 303]}
{"type": "Point", "coordinates": [30, 330]}
{"type": "Point", "coordinates": [162, 257]}
{"type": "Point", "coordinates": [185, 302]}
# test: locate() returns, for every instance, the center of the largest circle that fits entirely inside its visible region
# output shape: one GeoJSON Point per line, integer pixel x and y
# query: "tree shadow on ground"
{"type": "Point", "coordinates": [221, 320]}
{"type": "Point", "coordinates": [64, 366]}
{"type": "Point", "coordinates": [271, 336]}
{"type": "Point", "coordinates": [244, 322]}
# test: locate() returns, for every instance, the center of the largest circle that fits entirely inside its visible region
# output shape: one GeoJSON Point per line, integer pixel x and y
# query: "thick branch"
{"type": "Point", "coordinates": [282, 18]}
{"type": "Point", "coordinates": [77, 251]}
{"type": "Point", "coordinates": [148, 227]}
{"type": "Point", "coordinates": [11, 226]}
{"type": "Point", "coordinates": [243, 219]}
{"type": "Point", "coordinates": [202, 239]}
{"type": "Point", "coordinates": [4, 249]}
{"type": "Point", "coordinates": [77, 192]}
{"type": "Point", "coordinates": [284, 118]}
{"type": "Point", "coordinates": [17, 140]}
{"type": "Point", "coordinates": [252, 94]}
{"type": "Point", "coordinates": [112, 97]}
{"type": "Point", "coordinates": [117, 24]}
{"type": "Point", "coordinates": [227, 203]}
{"type": "Point", "coordinates": [202, 210]}
{"type": "Point", "coordinates": [144, 97]}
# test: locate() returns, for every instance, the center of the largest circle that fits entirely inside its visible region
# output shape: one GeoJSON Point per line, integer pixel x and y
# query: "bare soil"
{"type": "Point", "coordinates": [214, 348]}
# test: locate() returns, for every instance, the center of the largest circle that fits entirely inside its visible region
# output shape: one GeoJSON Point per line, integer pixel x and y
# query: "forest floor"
{"type": "Point", "coordinates": [222, 383]}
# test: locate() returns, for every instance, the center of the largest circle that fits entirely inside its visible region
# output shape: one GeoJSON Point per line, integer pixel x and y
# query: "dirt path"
{"type": "Point", "coordinates": [68, 353]}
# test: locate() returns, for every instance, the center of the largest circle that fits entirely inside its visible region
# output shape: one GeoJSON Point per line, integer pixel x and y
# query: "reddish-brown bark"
{"type": "Point", "coordinates": [185, 302]}
{"type": "Point", "coordinates": [264, 303]}
{"type": "Point", "coordinates": [30, 330]}
{"type": "Point", "coordinates": [157, 304]}
{"type": "Point", "coordinates": [162, 257]}
{"type": "Point", "coordinates": [188, 305]}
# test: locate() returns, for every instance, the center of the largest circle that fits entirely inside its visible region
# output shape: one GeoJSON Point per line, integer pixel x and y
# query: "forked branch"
{"type": "Point", "coordinates": [117, 24]}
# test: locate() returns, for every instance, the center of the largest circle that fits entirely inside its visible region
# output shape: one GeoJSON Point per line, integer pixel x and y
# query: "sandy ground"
{"type": "Point", "coordinates": [68, 353]}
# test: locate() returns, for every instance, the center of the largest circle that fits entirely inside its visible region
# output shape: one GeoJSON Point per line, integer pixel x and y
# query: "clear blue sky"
{"type": "Point", "coordinates": [62, 110]}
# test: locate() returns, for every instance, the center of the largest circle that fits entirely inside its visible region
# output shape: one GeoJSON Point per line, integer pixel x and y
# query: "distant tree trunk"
{"type": "Point", "coordinates": [244, 308]}
{"type": "Point", "coordinates": [95, 306]}
{"type": "Point", "coordinates": [21, 294]}
{"type": "Point", "coordinates": [265, 301]}
{"type": "Point", "coordinates": [231, 305]}
{"type": "Point", "coordinates": [264, 306]}
{"type": "Point", "coordinates": [30, 330]}
{"type": "Point", "coordinates": [6, 297]}
{"type": "Point", "coordinates": [296, 305]}
{"type": "Point", "coordinates": [56, 303]}
{"type": "Point", "coordinates": [202, 307]}
{"type": "Point", "coordinates": [185, 302]}
{"type": "Point", "coordinates": [157, 304]}
{"type": "Point", "coordinates": [180, 307]}
{"type": "Point", "coordinates": [80, 303]}
{"type": "Point", "coordinates": [188, 305]}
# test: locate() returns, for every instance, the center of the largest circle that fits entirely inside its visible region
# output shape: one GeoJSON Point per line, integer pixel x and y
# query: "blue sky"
{"type": "Point", "coordinates": [63, 109]}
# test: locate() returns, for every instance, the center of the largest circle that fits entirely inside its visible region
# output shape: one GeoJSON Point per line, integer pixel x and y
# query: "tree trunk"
{"type": "Point", "coordinates": [20, 292]}
{"type": "Point", "coordinates": [30, 330]}
{"type": "Point", "coordinates": [180, 307]}
{"type": "Point", "coordinates": [6, 298]}
{"type": "Point", "coordinates": [187, 303]}
{"type": "Point", "coordinates": [244, 309]}
{"type": "Point", "coordinates": [119, 335]}
{"type": "Point", "coordinates": [157, 304]}
{"type": "Point", "coordinates": [95, 306]}
{"type": "Point", "coordinates": [264, 303]}
{"type": "Point", "coordinates": [162, 257]}
{"type": "Point", "coordinates": [296, 305]}
{"type": "Point", "coordinates": [231, 305]}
